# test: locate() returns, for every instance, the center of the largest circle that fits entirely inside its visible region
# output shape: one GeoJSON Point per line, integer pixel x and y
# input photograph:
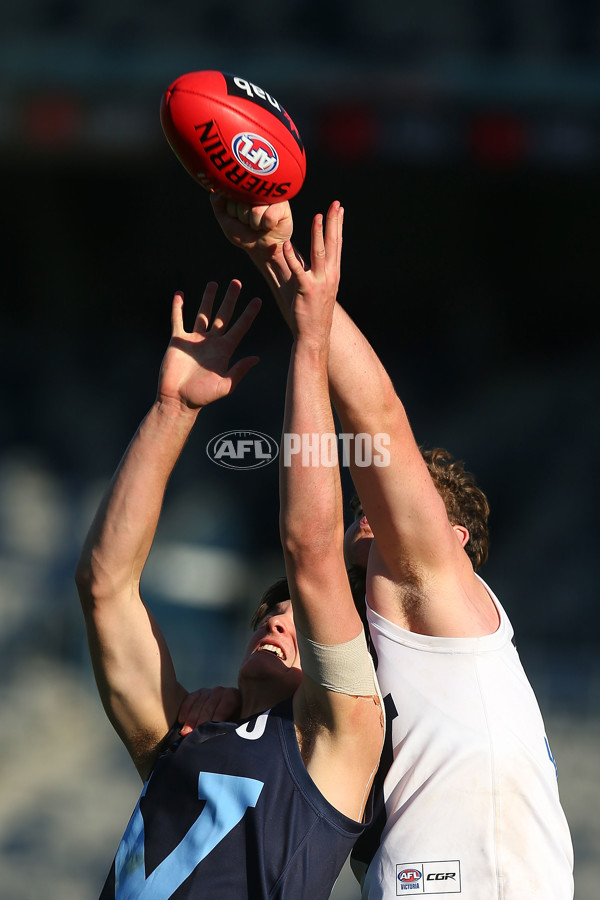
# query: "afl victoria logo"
{"type": "Point", "coordinates": [409, 876]}
{"type": "Point", "coordinates": [255, 153]}
{"type": "Point", "coordinates": [242, 449]}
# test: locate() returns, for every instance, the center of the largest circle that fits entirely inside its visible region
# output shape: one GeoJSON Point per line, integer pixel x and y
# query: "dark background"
{"type": "Point", "coordinates": [475, 284]}
{"type": "Point", "coordinates": [464, 143]}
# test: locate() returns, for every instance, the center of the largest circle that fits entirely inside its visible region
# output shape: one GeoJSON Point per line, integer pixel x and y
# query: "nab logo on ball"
{"type": "Point", "coordinates": [242, 450]}
{"type": "Point", "coordinates": [255, 153]}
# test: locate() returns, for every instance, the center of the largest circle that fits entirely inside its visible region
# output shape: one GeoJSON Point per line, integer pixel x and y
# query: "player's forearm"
{"type": "Point", "coordinates": [361, 390]}
{"type": "Point", "coordinates": [311, 510]}
{"type": "Point", "coordinates": [119, 540]}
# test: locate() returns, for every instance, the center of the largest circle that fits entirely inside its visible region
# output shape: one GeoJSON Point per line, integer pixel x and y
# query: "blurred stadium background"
{"type": "Point", "coordinates": [464, 142]}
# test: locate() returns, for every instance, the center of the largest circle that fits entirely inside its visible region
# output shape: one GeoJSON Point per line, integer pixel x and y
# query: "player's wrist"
{"type": "Point", "coordinates": [312, 349]}
{"type": "Point", "coordinates": [262, 254]}
{"type": "Point", "coordinates": [175, 410]}
{"type": "Point", "coordinates": [272, 267]}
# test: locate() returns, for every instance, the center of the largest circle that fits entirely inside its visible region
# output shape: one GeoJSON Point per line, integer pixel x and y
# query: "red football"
{"type": "Point", "coordinates": [233, 137]}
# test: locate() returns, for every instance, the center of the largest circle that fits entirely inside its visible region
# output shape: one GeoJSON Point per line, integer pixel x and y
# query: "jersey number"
{"type": "Point", "coordinates": [235, 795]}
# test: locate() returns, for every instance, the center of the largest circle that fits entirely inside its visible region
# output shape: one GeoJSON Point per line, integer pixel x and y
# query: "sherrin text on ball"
{"type": "Point", "coordinates": [233, 137]}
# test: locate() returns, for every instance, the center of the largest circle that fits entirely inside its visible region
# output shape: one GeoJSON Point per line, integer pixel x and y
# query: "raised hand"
{"type": "Point", "coordinates": [218, 704]}
{"type": "Point", "coordinates": [196, 368]}
{"type": "Point", "coordinates": [316, 288]}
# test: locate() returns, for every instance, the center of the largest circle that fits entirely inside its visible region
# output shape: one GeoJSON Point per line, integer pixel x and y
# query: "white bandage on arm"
{"type": "Point", "coordinates": [345, 668]}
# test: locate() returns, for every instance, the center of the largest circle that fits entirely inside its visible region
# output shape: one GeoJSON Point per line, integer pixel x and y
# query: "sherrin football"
{"type": "Point", "coordinates": [233, 137]}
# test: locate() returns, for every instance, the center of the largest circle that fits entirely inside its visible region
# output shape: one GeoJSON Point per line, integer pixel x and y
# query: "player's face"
{"type": "Point", "coordinates": [358, 539]}
{"type": "Point", "coordinates": [273, 648]}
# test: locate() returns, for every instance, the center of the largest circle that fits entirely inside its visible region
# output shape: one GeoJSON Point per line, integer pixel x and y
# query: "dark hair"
{"type": "Point", "coordinates": [278, 592]}
{"type": "Point", "coordinates": [355, 503]}
{"type": "Point", "coordinates": [465, 503]}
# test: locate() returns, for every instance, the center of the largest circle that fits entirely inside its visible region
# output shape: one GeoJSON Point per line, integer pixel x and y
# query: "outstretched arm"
{"type": "Point", "coordinates": [402, 504]}
{"type": "Point", "coordinates": [417, 549]}
{"type": "Point", "coordinates": [341, 727]}
{"type": "Point", "coordinates": [132, 664]}
{"type": "Point", "coordinates": [311, 520]}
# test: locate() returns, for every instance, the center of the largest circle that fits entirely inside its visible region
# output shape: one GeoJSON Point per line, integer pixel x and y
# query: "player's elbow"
{"type": "Point", "coordinates": [83, 577]}
{"type": "Point", "coordinates": [309, 541]}
{"type": "Point", "coordinates": [95, 584]}
{"type": "Point", "coordinates": [88, 589]}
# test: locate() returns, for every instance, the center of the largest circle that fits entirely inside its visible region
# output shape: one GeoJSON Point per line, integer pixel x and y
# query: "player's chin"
{"type": "Point", "coordinates": [263, 660]}
{"type": "Point", "coordinates": [264, 666]}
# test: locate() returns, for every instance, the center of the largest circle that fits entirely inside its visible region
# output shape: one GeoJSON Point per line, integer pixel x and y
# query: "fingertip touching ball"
{"type": "Point", "coordinates": [233, 137]}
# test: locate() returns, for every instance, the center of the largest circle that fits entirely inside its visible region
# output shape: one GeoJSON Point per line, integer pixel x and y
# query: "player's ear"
{"type": "Point", "coordinates": [462, 534]}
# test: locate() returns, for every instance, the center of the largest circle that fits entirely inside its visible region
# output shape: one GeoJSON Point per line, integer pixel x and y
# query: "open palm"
{"type": "Point", "coordinates": [196, 367]}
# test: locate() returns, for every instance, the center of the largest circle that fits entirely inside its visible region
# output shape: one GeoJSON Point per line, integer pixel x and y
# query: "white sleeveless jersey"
{"type": "Point", "coordinates": [472, 805]}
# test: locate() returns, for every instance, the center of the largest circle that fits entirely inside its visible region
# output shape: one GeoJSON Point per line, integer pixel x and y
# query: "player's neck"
{"type": "Point", "coordinates": [257, 696]}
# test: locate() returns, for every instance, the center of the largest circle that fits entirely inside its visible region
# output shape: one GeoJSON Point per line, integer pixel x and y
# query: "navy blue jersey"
{"type": "Point", "coordinates": [230, 812]}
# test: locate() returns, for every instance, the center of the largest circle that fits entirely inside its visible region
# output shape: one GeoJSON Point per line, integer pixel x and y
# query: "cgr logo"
{"type": "Point", "coordinates": [254, 153]}
{"type": "Point", "coordinates": [409, 876]}
{"type": "Point", "coordinates": [242, 450]}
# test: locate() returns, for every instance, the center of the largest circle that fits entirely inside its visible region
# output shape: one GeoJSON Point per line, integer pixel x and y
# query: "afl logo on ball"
{"type": "Point", "coordinates": [255, 153]}
{"type": "Point", "coordinates": [242, 450]}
